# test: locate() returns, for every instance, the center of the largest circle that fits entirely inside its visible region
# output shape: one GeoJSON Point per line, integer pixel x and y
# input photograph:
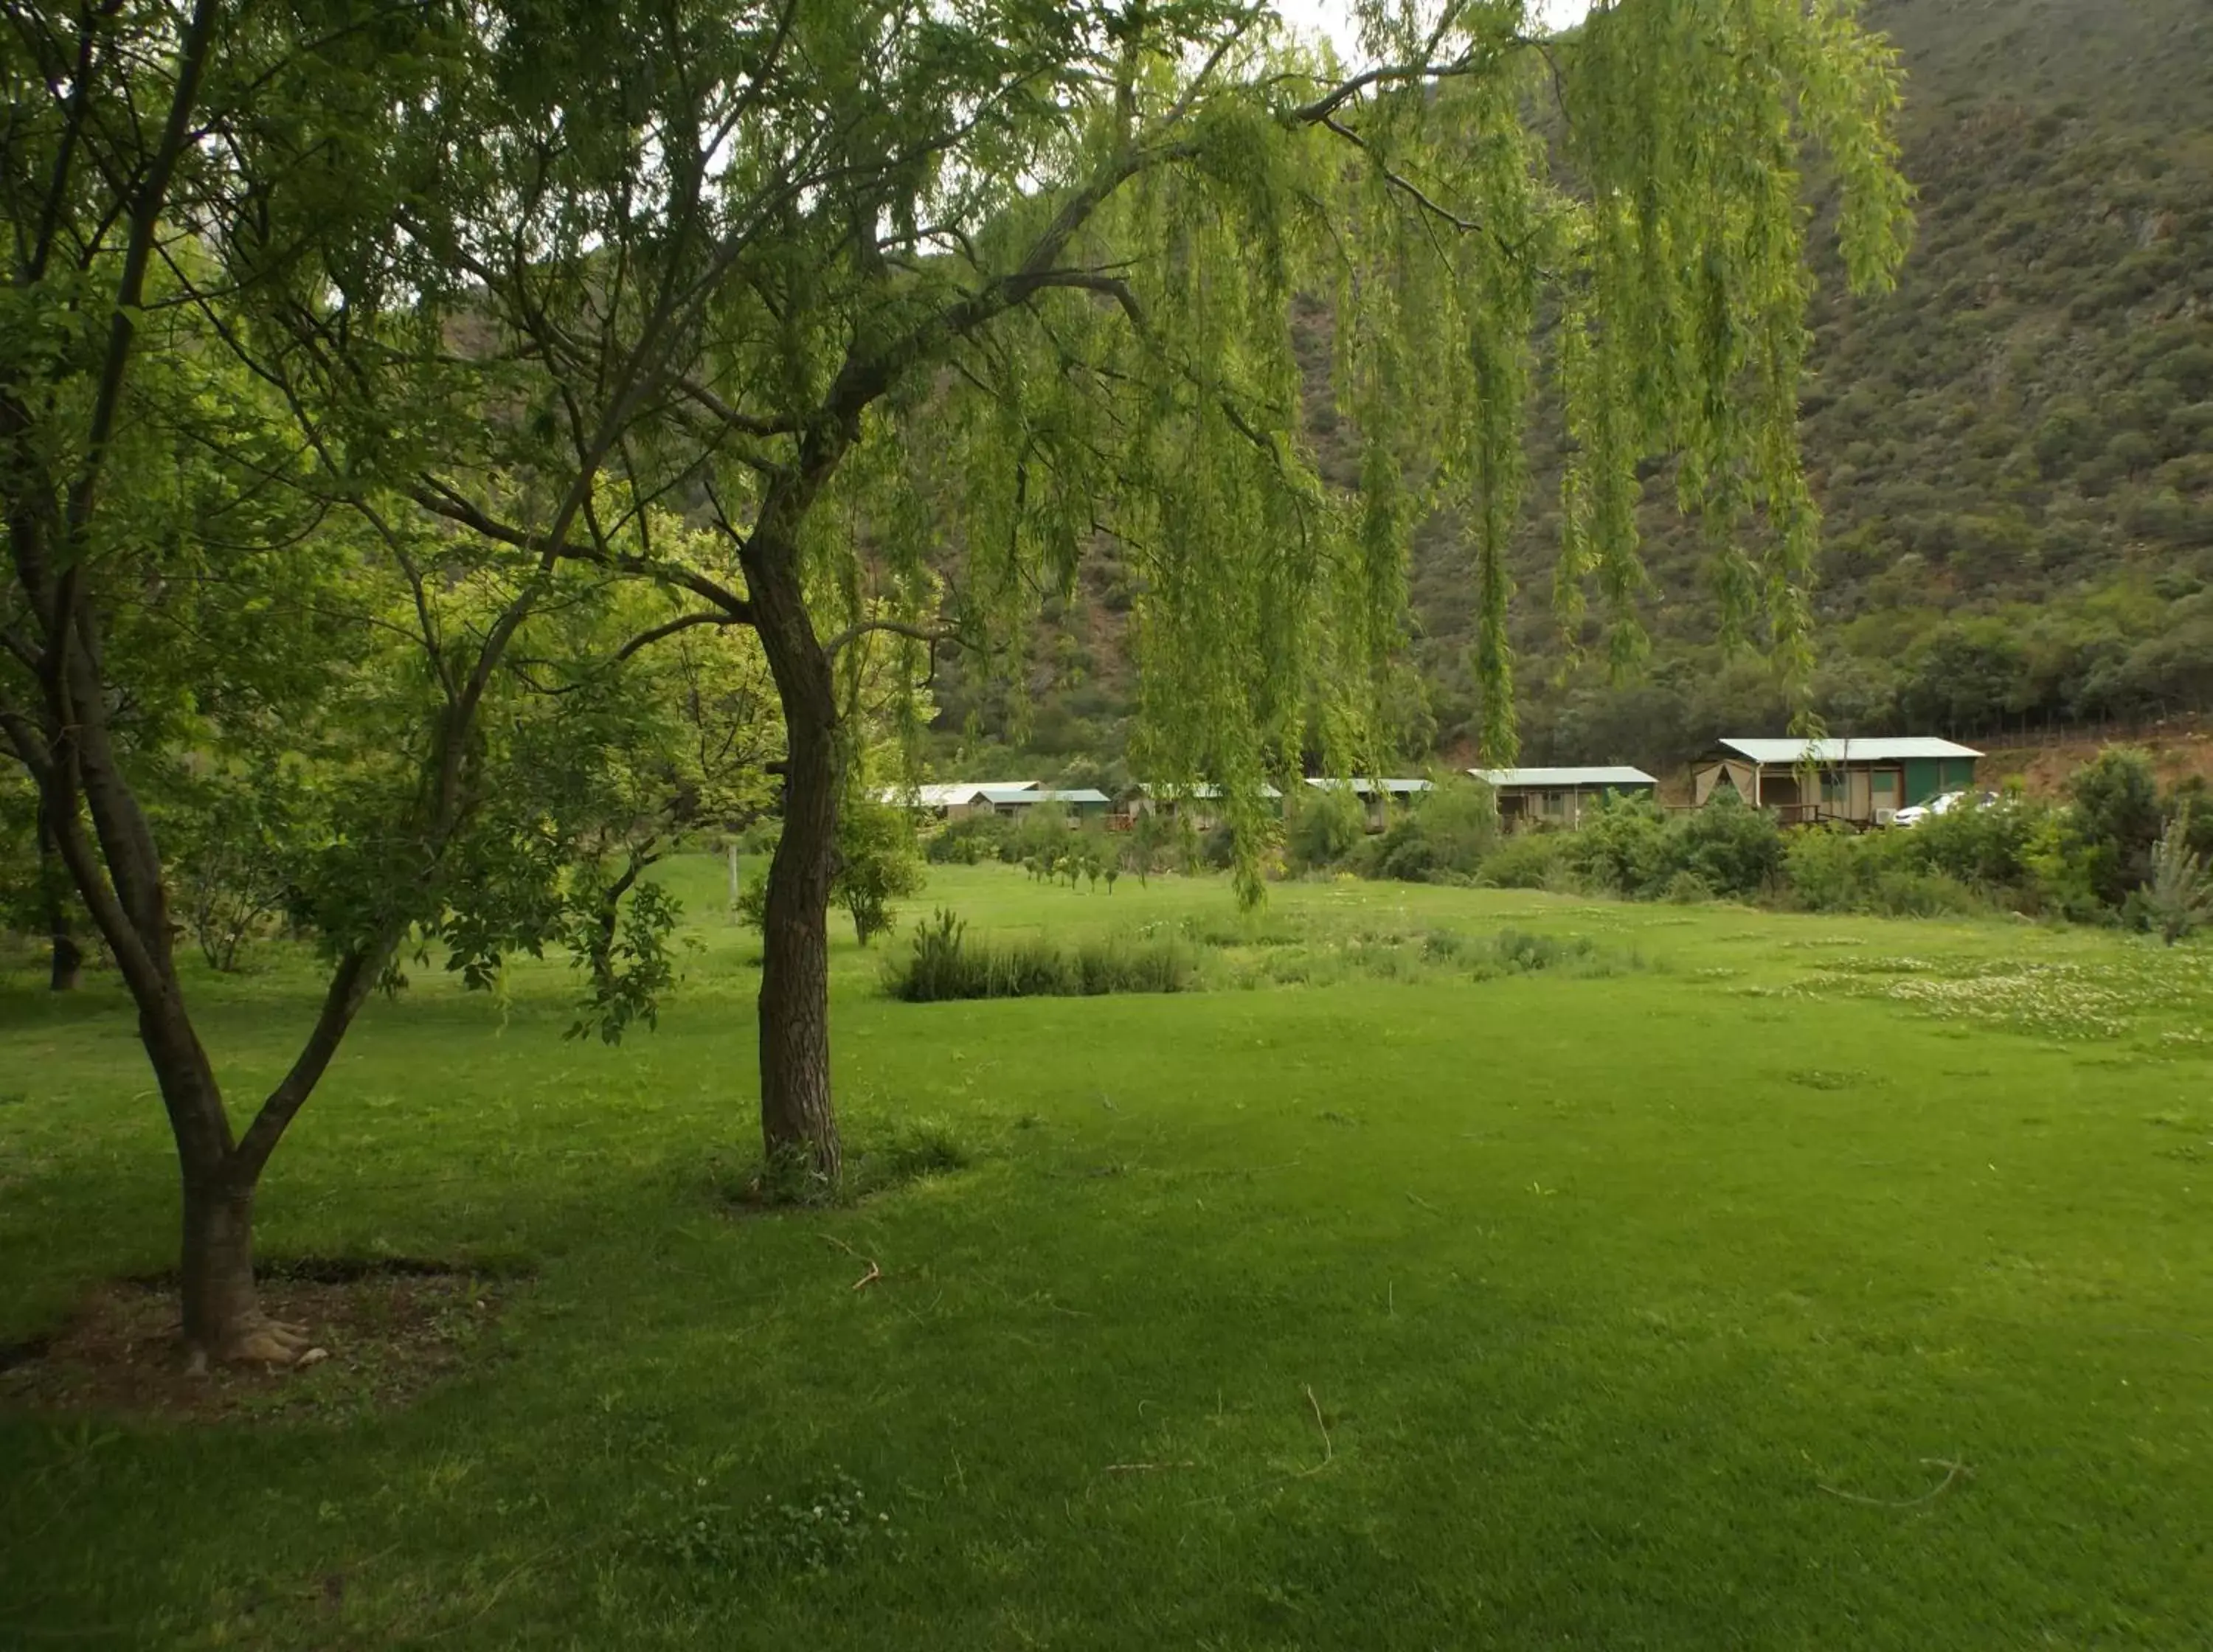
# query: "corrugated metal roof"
{"type": "Point", "coordinates": [943, 793]}
{"type": "Point", "coordinates": [1879, 749]}
{"type": "Point", "coordinates": [1039, 794]}
{"type": "Point", "coordinates": [1360, 787]}
{"type": "Point", "coordinates": [1618, 775]}
{"type": "Point", "coordinates": [1202, 792]}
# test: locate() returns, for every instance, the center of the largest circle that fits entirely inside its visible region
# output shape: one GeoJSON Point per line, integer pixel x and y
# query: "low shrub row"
{"type": "Point", "coordinates": [946, 963]}
{"type": "Point", "coordinates": [2117, 850]}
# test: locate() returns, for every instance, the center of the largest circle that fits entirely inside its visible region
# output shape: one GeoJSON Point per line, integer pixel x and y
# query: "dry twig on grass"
{"type": "Point", "coordinates": [1953, 1471]}
{"type": "Point", "coordinates": [1328, 1451]}
{"type": "Point", "coordinates": [874, 1272]}
{"type": "Point", "coordinates": [1147, 1468]}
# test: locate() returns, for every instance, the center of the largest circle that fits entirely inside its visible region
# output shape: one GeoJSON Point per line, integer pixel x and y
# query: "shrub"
{"type": "Point", "coordinates": [1985, 848]}
{"type": "Point", "coordinates": [1325, 827]}
{"type": "Point", "coordinates": [1734, 848]}
{"type": "Point", "coordinates": [1518, 952]}
{"type": "Point", "coordinates": [1403, 853]}
{"type": "Point", "coordinates": [2116, 821]}
{"type": "Point", "coordinates": [2179, 899]}
{"type": "Point", "coordinates": [1042, 834]}
{"type": "Point", "coordinates": [1457, 823]}
{"type": "Point", "coordinates": [945, 965]}
{"type": "Point", "coordinates": [1827, 869]}
{"type": "Point", "coordinates": [969, 840]}
{"type": "Point", "coordinates": [1527, 860]}
{"type": "Point", "coordinates": [1630, 846]}
{"type": "Point", "coordinates": [876, 864]}
{"type": "Point", "coordinates": [1624, 846]}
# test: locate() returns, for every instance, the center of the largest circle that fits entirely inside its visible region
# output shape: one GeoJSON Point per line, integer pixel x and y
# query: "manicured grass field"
{"type": "Point", "coordinates": [1376, 1298]}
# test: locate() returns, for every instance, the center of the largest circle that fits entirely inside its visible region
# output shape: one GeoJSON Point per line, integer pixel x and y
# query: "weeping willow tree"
{"type": "Point", "coordinates": [918, 305]}
{"type": "Point", "coordinates": [902, 307]}
{"type": "Point", "coordinates": [1041, 301]}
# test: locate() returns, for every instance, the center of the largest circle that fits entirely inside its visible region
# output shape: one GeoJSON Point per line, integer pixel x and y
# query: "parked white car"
{"type": "Point", "coordinates": [1942, 803]}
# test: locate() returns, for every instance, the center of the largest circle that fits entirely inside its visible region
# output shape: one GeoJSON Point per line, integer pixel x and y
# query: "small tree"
{"type": "Point", "coordinates": [2116, 820]}
{"type": "Point", "coordinates": [1458, 822]}
{"type": "Point", "coordinates": [1147, 844]}
{"type": "Point", "coordinates": [2179, 896]}
{"type": "Point", "coordinates": [877, 863]}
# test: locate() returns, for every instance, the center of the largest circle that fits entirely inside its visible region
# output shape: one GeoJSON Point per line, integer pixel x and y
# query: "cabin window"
{"type": "Point", "coordinates": [1885, 781]}
{"type": "Point", "coordinates": [1556, 803]}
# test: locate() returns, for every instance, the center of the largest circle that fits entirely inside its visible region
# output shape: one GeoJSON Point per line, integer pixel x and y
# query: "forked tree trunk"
{"type": "Point", "coordinates": [221, 1317]}
{"type": "Point", "coordinates": [799, 1125]}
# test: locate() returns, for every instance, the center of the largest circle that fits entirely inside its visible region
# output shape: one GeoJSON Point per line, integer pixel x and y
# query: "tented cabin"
{"type": "Point", "coordinates": [1557, 797]}
{"type": "Point", "coordinates": [1199, 805]}
{"type": "Point", "coordinates": [1082, 805]}
{"type": "Point", "coordinates": [1856, 782]}
{"type": "Point", "coordinates": [1378, 796]}
{"type": "Point", "coordinates": [954, 800]}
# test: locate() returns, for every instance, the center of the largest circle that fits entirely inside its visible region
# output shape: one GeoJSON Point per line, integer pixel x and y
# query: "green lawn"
{"type": "Point", "coordinates": [1395, 1307]}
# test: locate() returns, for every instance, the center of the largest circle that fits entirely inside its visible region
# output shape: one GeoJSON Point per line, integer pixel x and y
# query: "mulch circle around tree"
{"type": "Point", "coordinates": [388, 1330]}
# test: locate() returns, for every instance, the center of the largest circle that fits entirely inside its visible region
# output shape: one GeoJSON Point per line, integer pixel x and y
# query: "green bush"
{"type": "Point", "coordinates": [2115, 821]}
{"type": "Point", "coordinates": [1737, 848]}
{"type": "Point", "coordinates": [1325, 827]}
{"type": "Point", "coordinates": [1630, 846]}
{"type": "Point", "coordinates": [1518, 952]}
{"type": "Point", "coordinates": [1623, 847]}
{"type": "Point", "coordinates": [1457, 822]}
{"type": "Point", "coordinates": [945, 965]}
{"type": "Point", "coordinates": [970, 840]}
{"type": "Point", "coordinates": [876, 864]}
{"type": "Point", "coordinates": [1527, 860]}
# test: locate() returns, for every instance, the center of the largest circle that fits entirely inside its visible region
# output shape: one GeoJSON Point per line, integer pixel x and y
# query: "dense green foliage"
{"type": "Point", "coordinates": [1596, 1284]}
{"type": "Point", "coordinates": [878, 864]}
{"type": "Point", "coordinates": [2095, 858]}
{"type": "Point", "coordinates": [2012, 451]}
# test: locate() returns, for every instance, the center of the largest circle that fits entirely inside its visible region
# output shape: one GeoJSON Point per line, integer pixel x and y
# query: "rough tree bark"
{"type": "Point", "coordinates": [799, 1125]}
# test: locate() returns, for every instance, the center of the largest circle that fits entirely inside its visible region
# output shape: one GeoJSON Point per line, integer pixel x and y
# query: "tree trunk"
{"type": "Point", "coordinates": [221, 1307]}
{"type": "Point", "coordinates": [221, 1317]}
{"type": "Point", "coordinates": [54, 895]}
{"type": "Point", "coordinates": [69, 957]}
{"type": "Point", "coordinates": [799, 1127]}
{"type": "Point", "coordinates": [609, 919]}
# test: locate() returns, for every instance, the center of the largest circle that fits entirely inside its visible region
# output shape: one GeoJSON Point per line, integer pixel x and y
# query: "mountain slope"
{"type": "Point", "coordinates": [2013, 450]}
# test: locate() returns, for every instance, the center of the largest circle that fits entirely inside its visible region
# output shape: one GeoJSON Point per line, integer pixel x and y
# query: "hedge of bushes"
{"type": "Point", "coordinates": [2088, 859]}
